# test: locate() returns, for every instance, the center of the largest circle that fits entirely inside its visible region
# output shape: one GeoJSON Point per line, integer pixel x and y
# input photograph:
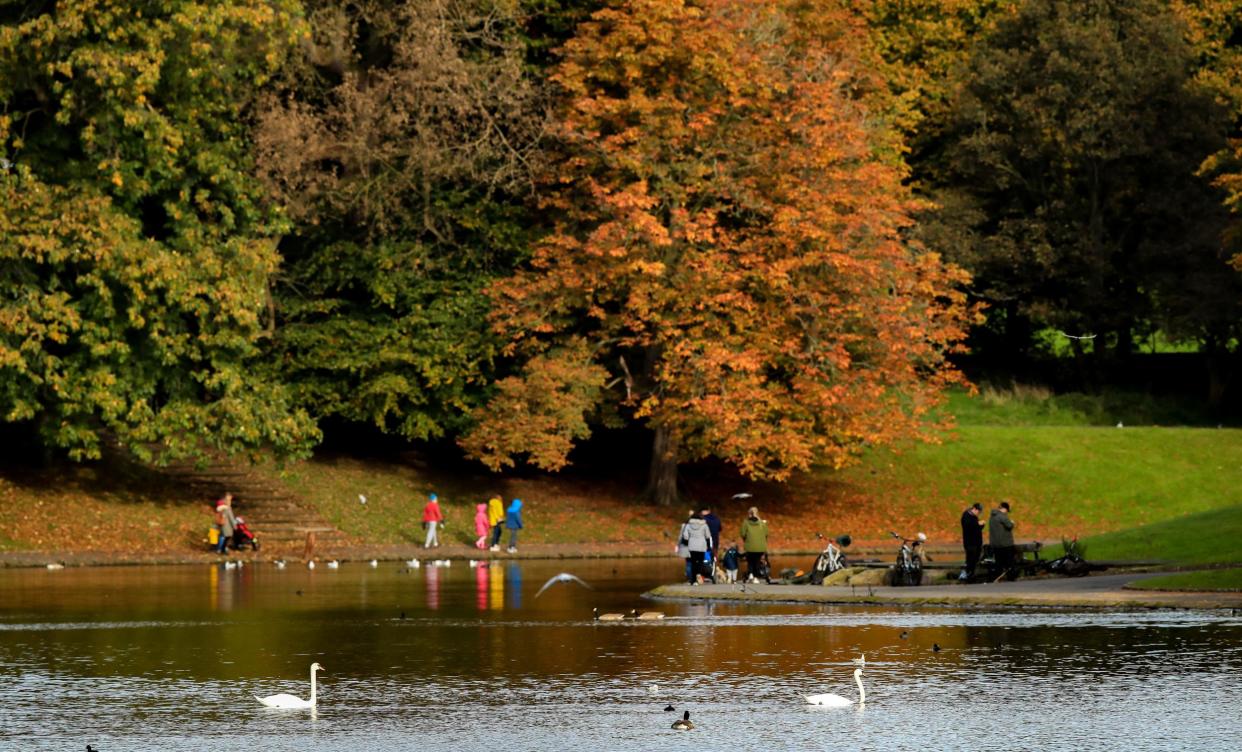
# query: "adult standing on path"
{"type": "Point", "coordinates": [972, 539]}
{"type": "Point", "coordinates": [432, 517]}
{"type": "Point", "coordinates": [714, 525]}
{"type": "Point", "coordinates": [755, 540]}
{"type": "Point", "coordinates": [1000, 536]}
{"type": "Point", "coordinates": [513, 523]}
{"type": "Point", "coordinates": [698, 539]}
{"type": "Point", "coordinates": [496, 518]}
{"type": "Point", "coordinates": [225, 522]}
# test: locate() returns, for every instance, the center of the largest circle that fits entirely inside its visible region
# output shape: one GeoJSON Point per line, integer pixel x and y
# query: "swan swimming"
{"type": "Point", "coordinates": [293, 702]}
{"type": "Point", "coordinates": [837, 701]}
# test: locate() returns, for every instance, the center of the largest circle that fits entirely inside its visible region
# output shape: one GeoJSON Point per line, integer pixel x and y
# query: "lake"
{"type": "Point", "coordinates": [460, 658]}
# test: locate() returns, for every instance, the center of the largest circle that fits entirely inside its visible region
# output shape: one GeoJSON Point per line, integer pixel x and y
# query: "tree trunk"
{"type": "Point", "coordinates": [662, 478]}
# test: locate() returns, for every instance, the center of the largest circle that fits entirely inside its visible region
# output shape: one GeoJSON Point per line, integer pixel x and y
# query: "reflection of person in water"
{"type": "Point", "coordinates": [513, 582]}
{"type": "Point", "coordinates": [432, 576]}
{"type": "Point", "coordinates": [480, 586]}
{"type": "Point", "coordinates": [497, 601]}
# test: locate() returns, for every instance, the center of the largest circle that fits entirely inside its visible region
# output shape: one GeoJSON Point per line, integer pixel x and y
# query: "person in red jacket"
{"type": "Point", "coordinates": [432, 518]}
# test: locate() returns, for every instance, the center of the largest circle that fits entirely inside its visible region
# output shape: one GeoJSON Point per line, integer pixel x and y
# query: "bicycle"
{"type": "Point", "coordinates": [908, 570]}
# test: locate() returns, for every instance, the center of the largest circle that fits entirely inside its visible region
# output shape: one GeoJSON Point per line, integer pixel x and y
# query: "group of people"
{"type": "Point", "coordinates": [490, 522]}
{"type": "Point", "coordinates": [1000, 538]}
{"type": "Point", "coordinates": [700, 539]}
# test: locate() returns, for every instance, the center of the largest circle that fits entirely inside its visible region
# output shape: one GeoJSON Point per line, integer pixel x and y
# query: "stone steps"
{"type": "Point", "coordinates": [277, 516]}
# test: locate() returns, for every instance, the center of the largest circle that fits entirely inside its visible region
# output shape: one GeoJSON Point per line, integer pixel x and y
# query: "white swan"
{"type": "Point", "coordinates": [837, 701]}
{"type": "Point", "coordinates": [293, 702]}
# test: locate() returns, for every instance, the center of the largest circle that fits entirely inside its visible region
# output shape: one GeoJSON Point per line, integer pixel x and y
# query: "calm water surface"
{"type": "Point", "coordinates": [460, 659]}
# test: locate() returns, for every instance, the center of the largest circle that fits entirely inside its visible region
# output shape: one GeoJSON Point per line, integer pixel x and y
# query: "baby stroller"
{"type": "Point", "coordinates": [243, 536]}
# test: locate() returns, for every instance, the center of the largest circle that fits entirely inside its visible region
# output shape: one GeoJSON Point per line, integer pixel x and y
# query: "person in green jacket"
{"type": "Point", "coordinates": [755, 540]}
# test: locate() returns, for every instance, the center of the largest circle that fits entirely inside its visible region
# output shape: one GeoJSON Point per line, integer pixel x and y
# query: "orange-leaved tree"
{"type": "Point", "coordinates": [727, 263]}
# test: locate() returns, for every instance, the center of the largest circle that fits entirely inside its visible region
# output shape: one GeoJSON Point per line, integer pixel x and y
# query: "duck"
{"type": "Point", "coordinates": [413, 563]}
{"type": "Point", "coordinates": [56, 565]}
{"type": "Point", "coordinates": [231, 564]}
{"type": "Point", "coordinates": [606, 617]}
{"type": "Point", "coordinates": [669, 709]}
{"type": "Point", "coordinates": [374, 563]}
{"type": "Point", "coordinates": [280, 563]}
{"type": "Point", "coordinates": [310, 564]}
{"type": "Point", "coordinates": [683, 724]}
{"type": "Point", "coordinates": [293, 702]}
{"type": "Point", "coordinates": [646, 615]}
{"type": "Point", "coordinates": [334, 564]}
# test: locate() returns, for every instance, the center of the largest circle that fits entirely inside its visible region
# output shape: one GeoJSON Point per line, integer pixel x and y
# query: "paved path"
{"type": "Point", "coordinates": [1097, 591]}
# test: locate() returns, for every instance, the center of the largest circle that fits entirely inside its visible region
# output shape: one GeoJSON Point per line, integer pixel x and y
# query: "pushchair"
{"type": "Point", "coordinates": [243, 536]}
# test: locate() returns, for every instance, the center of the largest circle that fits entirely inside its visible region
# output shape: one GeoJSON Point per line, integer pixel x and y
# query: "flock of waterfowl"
{"type": "Point", "coordinates": [286, 701]}
{"type": "Point", "coordinates": [293, 702]}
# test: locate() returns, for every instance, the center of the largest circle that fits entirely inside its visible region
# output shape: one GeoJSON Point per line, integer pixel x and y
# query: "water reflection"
{"type": "Point", "coordinates": [169, 658]}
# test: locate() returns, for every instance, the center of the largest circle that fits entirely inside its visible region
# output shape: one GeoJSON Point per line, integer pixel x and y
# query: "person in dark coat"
{"type": "Point", "coordinates": [713, 524]}
{"type": "Point", "coordinates": [1000, 537]}
{"type": "Point", "coordinates": [972, 539]}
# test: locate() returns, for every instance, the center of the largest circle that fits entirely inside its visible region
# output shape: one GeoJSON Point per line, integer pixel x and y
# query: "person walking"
{"type": "Point", "coordinates": [698, 539]}
{"type": "Point", "coordinates": [1000, 537]}
{"type": "Point", "coordinates": [755, 540]}
{"type": "Point", "coordinates": [714, 525]}
{"type": "Point", "coordinates": [496, 518]}
{"type": "Point", "coordinates": [226, 522]}
{"type": "Point", "coordinates": [513, 523]}
{"type": "Point", "coordinates": [481, 526]}
{"type": "Point", "coordinates": [972, 540]}
{"type": "Point", "coordinates": [432, 517]}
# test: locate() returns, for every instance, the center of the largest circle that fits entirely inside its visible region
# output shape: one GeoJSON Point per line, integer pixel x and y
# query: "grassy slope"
{"type": "Point", "coordinates": [1157, 492]}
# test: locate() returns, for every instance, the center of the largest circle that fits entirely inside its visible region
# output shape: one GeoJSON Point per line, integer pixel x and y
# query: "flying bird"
{"type": "Point", "coordinates": [562, 577]}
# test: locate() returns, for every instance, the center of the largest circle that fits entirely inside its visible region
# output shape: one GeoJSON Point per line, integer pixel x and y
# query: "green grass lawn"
{"type": "Point", "coordinates": [1063, 481]}
{"type": "Point", "coordinates": [1212, 579]}
{"type": "Point", "coordinates": [1209, 537]}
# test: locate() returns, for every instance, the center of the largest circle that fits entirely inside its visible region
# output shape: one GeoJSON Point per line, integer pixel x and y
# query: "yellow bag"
{"type": "Point", "coordinates": [213, 536]}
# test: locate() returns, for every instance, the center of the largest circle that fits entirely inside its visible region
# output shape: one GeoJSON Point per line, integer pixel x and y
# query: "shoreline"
{"type": "Point", "coordinates": [1105, 591]}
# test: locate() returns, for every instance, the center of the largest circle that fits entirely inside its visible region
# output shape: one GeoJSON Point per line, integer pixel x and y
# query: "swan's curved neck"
{"type": "Point", "coordinates": [862, 693]}
{"type": "Point", "coordinates": [312, 697]}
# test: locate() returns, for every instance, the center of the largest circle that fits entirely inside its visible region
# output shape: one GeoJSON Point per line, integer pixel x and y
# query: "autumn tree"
{"type": "Point", "coordinates": [401, 142]}
{"type": "Point", "coordinates": [134, 246]}
{"type": "Point", "coordinates": [727, 265]}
